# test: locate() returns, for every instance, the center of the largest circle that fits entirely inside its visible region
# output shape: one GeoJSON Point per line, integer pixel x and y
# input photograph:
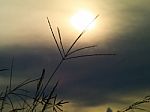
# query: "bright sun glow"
{"type": "Point", "coordinates": [81, 19]}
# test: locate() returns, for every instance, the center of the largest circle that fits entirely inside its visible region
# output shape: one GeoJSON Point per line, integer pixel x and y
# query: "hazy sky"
{"type": "Point", "coordinates": [90, 84]}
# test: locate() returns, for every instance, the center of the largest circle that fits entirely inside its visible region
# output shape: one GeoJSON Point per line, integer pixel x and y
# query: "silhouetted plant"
{"type": "Point", "coordinates": [137, 105]}
{"type": "Point", "coordinates": [41, 100]}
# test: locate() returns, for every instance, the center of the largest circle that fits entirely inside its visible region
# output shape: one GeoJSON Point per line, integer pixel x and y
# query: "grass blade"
{"type": "Point", "coordinates": [40, 81]}
{"type": "Point", "coordinates": [51, 29]}
{"type": "Point", "coordinates": [87, 55]}
{"type": "Point", "coordinates": [11, 73]}
{"type": "Point", "coordinates": [11, 102]}
{"type": "Point", "coordinates": [83, 48]}
{"type": "Point", "coordinates": [61, 43]}
{"type": "Point", "coordinates": [49, 97]}
{"type": "Point", "coordinates": [80, 35]}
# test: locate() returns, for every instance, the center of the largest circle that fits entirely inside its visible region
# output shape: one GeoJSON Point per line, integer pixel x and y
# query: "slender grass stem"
{"type": "Point", "coordinates": [50, 26]}
{"type": "Point", "coordinates": [49, 97]}
{"type": "Point", "coordinates": [50, 78]}
{"type": "Point", "coordinates": [47, 83]}
{"type": "Point", "coordinates": [12, 105]}
{"type": "Point", "coordinates": [70, 48]}
{"type": "Point", "coordinates": [11, 73]}
{"type": "Point", "coordinates": [83, 48]}
{"type": "Point", "coordinates": [88, 55]}
{"type": "Point", "coordinates": [61, 43]}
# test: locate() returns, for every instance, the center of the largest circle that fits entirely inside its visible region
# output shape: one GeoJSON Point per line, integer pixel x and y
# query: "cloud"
{"type": "Point", "coordinates": [89, 81]}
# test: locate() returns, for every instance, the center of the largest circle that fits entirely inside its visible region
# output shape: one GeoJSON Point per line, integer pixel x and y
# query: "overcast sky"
{"type": "Point", "coordinates": [90, 84]}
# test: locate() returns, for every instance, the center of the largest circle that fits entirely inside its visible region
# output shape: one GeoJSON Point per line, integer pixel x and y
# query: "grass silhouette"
{"type": "Point", "coordinates": [42, 100]}
{"type": "Point", "coordinates": [137, 105]}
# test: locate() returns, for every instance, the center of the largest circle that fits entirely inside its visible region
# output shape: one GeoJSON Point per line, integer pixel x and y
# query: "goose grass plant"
{"type": "Point", "coordinates": [41, 100]}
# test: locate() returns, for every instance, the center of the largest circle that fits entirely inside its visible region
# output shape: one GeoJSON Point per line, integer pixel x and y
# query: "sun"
{"type": "Point", "coordinates": [81, 19]}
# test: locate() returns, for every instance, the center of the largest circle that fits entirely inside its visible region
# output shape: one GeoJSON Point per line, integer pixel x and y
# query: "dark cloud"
{"type": "Point", "coordinates": [91, 81]}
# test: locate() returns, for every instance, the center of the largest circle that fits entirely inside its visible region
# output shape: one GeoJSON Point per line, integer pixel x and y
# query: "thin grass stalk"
{"type": "Point", "coordinates": [50, 96]}
{"type": "Point", "coordinates": [24, 83]}
{"type": "Point", "coordinates": [40, 81]}
{"type": "Point", "coordinates": [39, 85]}
{"type": "Point", "coordinates": [47, 83]}
{"type": "Point", "coordinates": [10, 102]}
{"type": "Point", "coordinates": [83, 48]}
{"type": "Point", "coordinates": [11, 73]}
{"type": "Point", "coordinates": [54, 37]}
{"type": "Point", "coordinates": [61, 43]}
{"type": "Point", "coordinates": [88, 55]}
{"type": "Point", "coordinates": [80, 35]}
{"type": "Point", "coordinates": [50, 78]}
{"type": "Point", "coordinates": [38, 91]}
